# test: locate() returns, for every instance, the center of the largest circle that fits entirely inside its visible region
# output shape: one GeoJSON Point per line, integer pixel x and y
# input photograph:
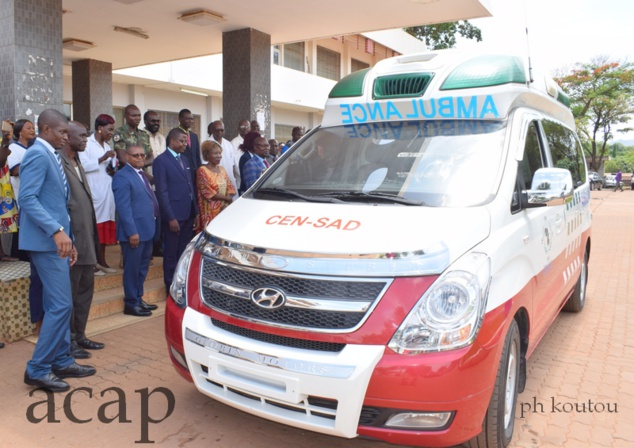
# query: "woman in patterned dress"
{"type": "Point", "coordinates": [215, 191]}
{"type": "Point", "coordinates": [8, 206]}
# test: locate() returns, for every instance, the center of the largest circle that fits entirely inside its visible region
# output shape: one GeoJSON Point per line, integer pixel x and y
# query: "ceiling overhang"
{"type": "Point", "coordinates": [170, 38]}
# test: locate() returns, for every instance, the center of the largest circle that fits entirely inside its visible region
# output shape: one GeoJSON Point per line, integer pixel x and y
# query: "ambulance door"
{"type": "Point", "coordinates": [571, 219]}
{"type": "Point", "coordinates": [537, 227]}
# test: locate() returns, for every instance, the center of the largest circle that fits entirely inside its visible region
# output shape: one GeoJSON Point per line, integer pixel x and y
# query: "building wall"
{"type": "Point", "coordinates": [297, 98]}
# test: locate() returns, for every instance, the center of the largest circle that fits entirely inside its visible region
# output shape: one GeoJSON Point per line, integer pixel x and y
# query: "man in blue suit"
{"type": "Point", "coordinates": [254, 167]}
{"type": "Point", "coordinates": [176, 194]}
{"type": "Point", "coordinates": [45, 232]}
{"type": "Point", "coordinates": [137, 228]}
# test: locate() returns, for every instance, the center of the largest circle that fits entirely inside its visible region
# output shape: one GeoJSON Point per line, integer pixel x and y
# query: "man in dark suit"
{"type": "Point", "coordinates": [137, 228]}
{"type": "Point", "coordinates": [176, 196]}
{"type": "Point", "coordinates": [45, 232]}
{"type": "Point", "coordinates": [84, 224]}
{"type": "Point", "coordinates": [192, 149]}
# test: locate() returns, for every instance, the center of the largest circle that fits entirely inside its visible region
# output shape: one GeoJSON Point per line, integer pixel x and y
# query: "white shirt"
{"type": "Point", "coordinates": [98, 179]}
{"type": "Point", "coordinates": [236, 142]}
{"type": "Point", "coordinates": [14, 159]}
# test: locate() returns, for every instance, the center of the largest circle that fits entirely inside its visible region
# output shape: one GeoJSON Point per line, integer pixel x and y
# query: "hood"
{"type": "Point", "coordinates": [429, 237]}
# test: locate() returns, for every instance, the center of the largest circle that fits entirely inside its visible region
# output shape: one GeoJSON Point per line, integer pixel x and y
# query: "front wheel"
{"type": "Point", "coordinates": [577, 300]}
{"type": "Point", "coordinates": [499, 421]}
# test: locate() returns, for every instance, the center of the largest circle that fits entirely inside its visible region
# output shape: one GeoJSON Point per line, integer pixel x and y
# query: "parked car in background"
{"type": "Point", "coordinates": [596, 181]}
{"type": "Point", "coordinates": [609, 181]}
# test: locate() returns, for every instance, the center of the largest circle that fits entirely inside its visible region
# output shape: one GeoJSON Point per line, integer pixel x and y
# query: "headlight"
{"type": "Point", "coordinates": [449, 314]}
{"type": "Point", "coordinates": [178, 290]}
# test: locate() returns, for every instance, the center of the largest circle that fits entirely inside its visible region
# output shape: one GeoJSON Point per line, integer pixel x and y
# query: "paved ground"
{"type": "Point", "coordinates": [584, 359]}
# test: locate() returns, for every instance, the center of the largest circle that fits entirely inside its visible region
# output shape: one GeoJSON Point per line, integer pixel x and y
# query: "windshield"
{"type": "Point", "coordinates": [436, 163]}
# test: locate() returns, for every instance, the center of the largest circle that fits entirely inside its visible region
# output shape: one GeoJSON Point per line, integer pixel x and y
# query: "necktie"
{"type": "Point", "coordinates": [189, 140]}
{"type": "Point", "coordinates": [266, 163]}
{"type": "Point", "coordinates": [180, 161]}
{"type": "Point", "coordinates": [150, 192]}
{"type": "Point", "coordinates": [61, 170]}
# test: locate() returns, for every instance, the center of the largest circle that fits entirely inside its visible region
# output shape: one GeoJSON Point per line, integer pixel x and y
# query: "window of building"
{"type": "Point", "coordinates": [328, 64]}
{"type": "Point", "coordinates": [283, 133]}
{"type": "Point", "coordinates": [356, 65]}
{"type": "Point", "coordinates": [68, 110]}
{"type": "Point", "coordinates": [294, 56]}
{"type": "Point", "coordinates": [276, 55]}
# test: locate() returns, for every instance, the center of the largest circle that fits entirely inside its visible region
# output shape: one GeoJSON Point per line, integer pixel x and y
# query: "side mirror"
{"type": "Point", "coordinates": [550, 186]}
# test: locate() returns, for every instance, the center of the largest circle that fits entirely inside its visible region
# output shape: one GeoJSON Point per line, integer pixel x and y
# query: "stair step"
{"type": "Point", "coordinates": [111, 322]}
{"type": "Point", "coordinates": [110, 301]}
{"type": "Point", "coordinates": [108, 281]}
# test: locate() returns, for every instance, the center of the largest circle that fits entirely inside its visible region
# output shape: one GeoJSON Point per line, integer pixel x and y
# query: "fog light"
{"type": "Point", "coordinates": [420, 420]}
{"type": "Point", "coordinates": [179, 358]}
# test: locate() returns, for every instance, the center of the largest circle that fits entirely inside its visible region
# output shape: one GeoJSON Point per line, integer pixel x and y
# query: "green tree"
{"type": "Point", "coordinates": [602, 97]}
{"type": "Point", "coordinates": [440, 36]}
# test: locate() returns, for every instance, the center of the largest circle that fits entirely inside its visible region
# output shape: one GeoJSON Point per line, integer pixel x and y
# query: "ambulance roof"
{"type": "Point", "coordinates": [443, 84]}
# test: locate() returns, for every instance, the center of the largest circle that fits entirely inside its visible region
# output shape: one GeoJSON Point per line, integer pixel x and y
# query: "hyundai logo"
{"type": "Point", "coordinates": [268, 298]}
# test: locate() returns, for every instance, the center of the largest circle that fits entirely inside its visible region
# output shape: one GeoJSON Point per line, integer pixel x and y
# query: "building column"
{"type": "Point", "coordinates": [246, 66]}
{"type": "Point", "coordinates": [92, 90]}
{"type": "Point", "coordinates": [30, 58]}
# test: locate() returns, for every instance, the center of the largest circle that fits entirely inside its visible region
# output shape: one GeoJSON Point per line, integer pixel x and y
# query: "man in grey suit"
{"type": "Point", "coordinates": [45, 233]}
{"type": "Point", "coordinates": [84, 224]}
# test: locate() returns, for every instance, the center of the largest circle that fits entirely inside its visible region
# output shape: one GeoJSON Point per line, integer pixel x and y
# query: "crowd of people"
{"type": "Point", "coordinates": [68, 193]}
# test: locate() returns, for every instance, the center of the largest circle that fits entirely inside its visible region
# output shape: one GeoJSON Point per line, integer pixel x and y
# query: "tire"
{"type": "Point", "coordinates": [499, 421]}
{"type": "Point", "coordinates": [577, 300]}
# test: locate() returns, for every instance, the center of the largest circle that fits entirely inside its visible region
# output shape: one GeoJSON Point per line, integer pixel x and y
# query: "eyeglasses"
{"type": "Point", "coordinates": [244, 127]}
{"type": "Point", "coordinates": [137, 156]}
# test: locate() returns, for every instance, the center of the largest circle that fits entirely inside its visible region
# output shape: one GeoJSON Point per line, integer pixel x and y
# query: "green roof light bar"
{"type": "Point", "coordinates": [486, 71]}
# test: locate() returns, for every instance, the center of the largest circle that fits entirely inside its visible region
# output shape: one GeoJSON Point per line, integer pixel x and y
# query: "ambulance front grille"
{"type": "Point", "coordinates": [327, 290]}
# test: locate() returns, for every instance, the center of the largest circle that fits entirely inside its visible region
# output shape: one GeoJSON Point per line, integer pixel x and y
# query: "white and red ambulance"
{"type": "Point", "coordinates": [390, 275]}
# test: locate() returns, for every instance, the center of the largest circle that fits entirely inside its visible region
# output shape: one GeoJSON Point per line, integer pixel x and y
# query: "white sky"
{"type": "Point", "coordinates": [560, 32]}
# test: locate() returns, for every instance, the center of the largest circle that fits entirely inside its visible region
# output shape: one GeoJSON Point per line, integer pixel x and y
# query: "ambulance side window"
{"type": "Point", "coordinates": [565, 150]}
{"type": "Point", "coordinates": [531, 162]}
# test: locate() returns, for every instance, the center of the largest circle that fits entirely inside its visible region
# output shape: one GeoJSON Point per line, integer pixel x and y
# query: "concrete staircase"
{"type": "Point", "coordinates": [106, 312]}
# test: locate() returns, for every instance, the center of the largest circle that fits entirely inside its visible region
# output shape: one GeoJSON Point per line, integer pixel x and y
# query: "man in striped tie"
{"type": "Point", "coordinates": [256, 165]}
{"type": "Point", "coordinates": [45, 232]}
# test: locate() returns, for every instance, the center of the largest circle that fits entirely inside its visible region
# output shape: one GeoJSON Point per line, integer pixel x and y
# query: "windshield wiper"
{"type": "Point", "coordinates": [369, 197]}
{"type": "Point", "coordinates": [294, 194]}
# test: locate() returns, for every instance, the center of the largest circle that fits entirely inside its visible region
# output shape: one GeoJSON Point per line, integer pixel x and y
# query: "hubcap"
{"type": "Point", "coordinates": [509, 395]}
{"type": "Point", "coordinates": [582, 279]}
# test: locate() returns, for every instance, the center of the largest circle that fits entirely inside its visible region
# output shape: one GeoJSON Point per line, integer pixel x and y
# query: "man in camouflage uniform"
{"type": "Point", "coordinates": [130, 134]}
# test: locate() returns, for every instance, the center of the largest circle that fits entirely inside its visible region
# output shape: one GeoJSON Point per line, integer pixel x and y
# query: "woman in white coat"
{"type": "Point", "coordinates": [95, 159]}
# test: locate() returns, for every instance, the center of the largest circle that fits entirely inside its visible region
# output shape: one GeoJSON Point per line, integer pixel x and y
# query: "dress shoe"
{"type": "Point", "coordinates": [75, 371]}
{"type": "Point", "coordinates": [77, 352]}
{"type": "Point", "coordinates": [90, 345]}
{"type": "Point", "coordinates": [137, 311]}
{"type": "Point", "coordinates": [1, 344]}
{"type": "Point", "coordinates": [49, 382]}
{"type": "Point", "coordinates": [148, 306]}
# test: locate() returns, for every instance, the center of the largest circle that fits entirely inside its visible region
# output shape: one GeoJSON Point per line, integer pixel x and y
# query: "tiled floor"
{"type": "Point", "coordinates": [585, 358]}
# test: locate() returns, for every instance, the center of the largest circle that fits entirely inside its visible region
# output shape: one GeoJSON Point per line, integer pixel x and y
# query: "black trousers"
{"type": "Point", "coordinates": [82, 283]}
